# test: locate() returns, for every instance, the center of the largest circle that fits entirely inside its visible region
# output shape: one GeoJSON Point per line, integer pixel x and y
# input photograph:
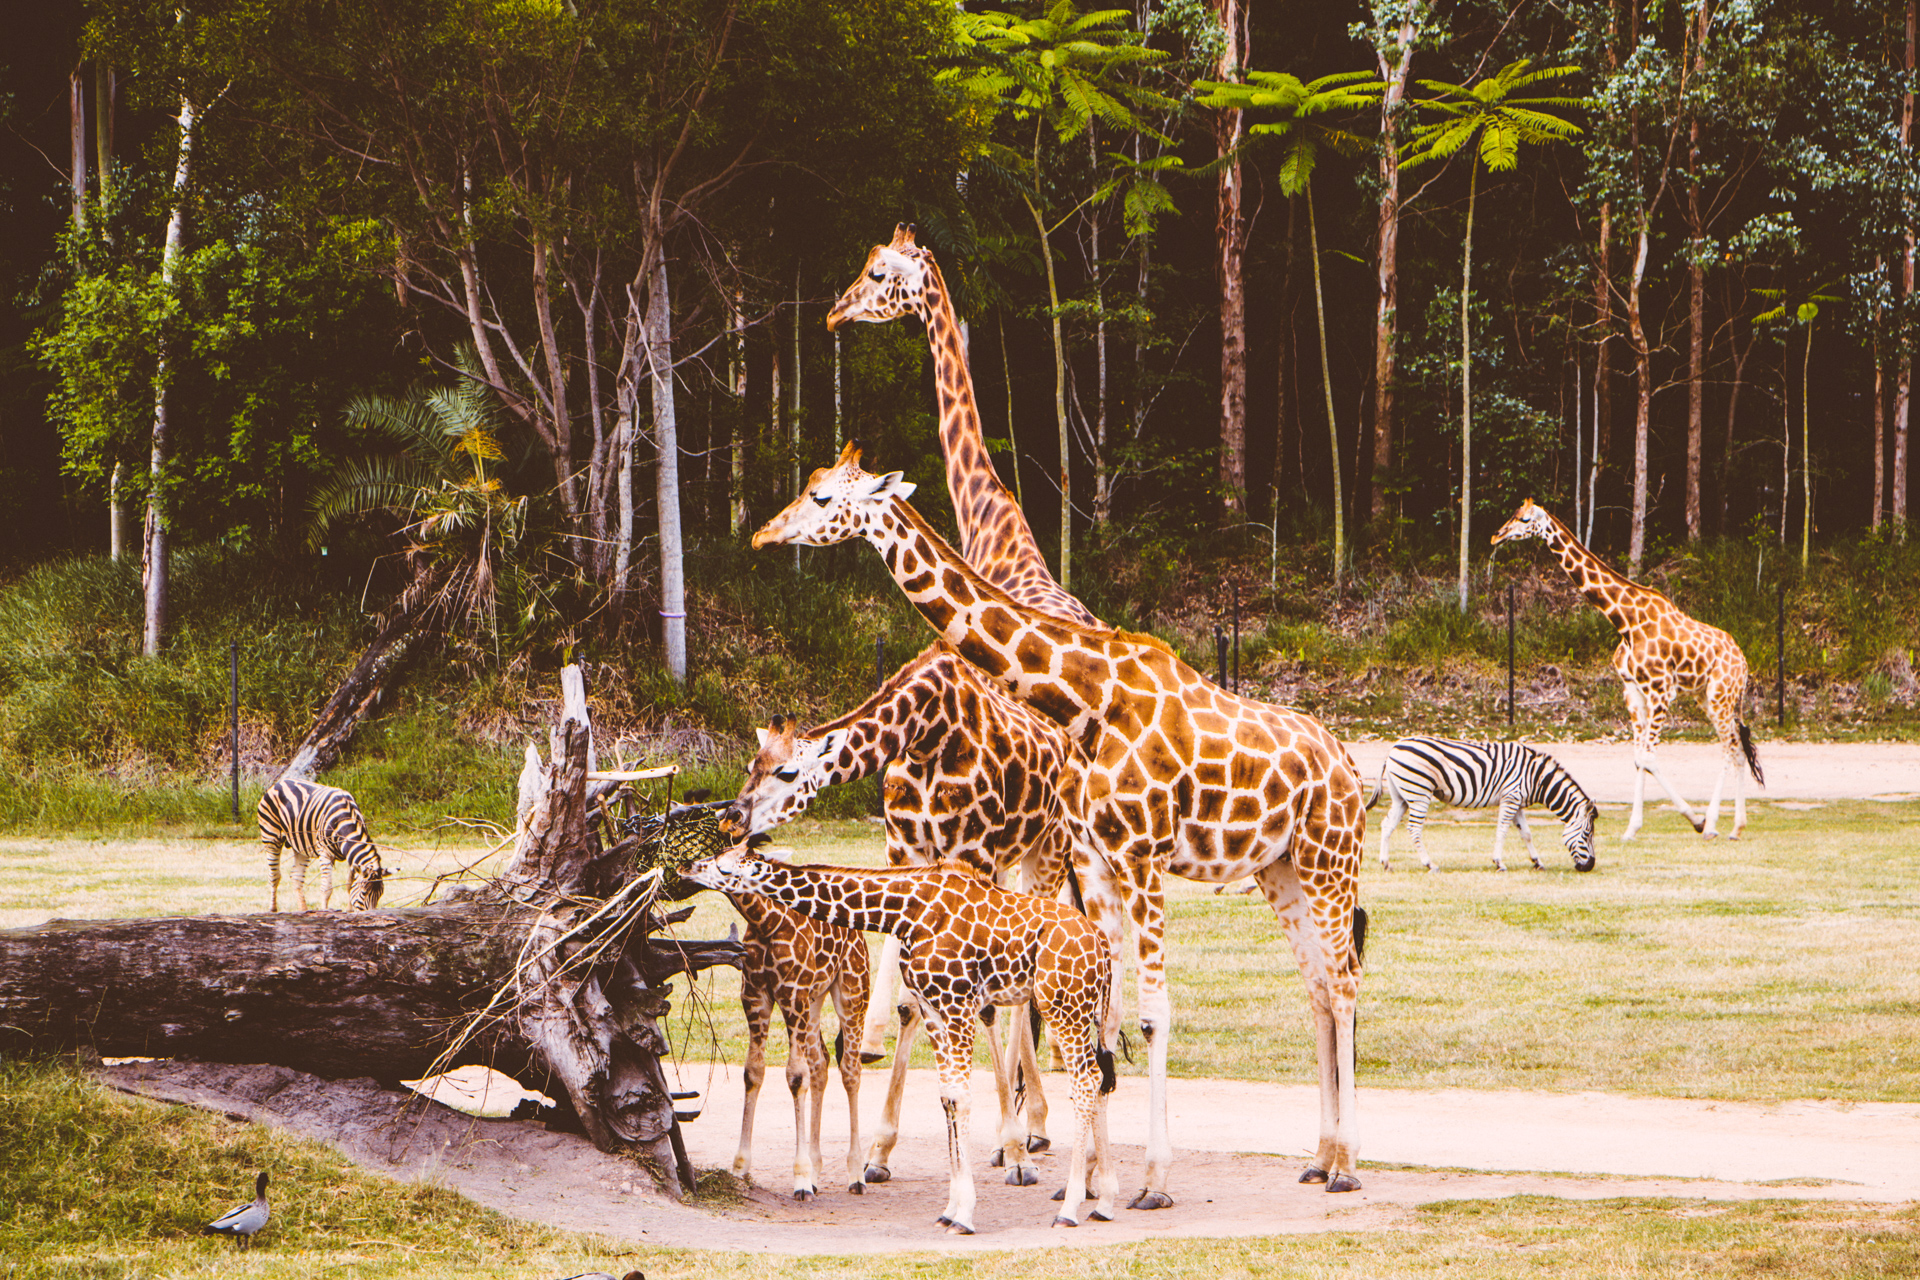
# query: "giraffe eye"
{"type": "Point", "coordinates": [786, 775]}
{"type": "Point", "coordinates": [821, 499]}
{"type": "Point", "coordinates": [876, 275]}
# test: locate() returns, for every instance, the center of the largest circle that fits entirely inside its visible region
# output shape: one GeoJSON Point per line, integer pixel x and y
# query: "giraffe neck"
{"type": "Point", "coordinates": [909, 709]}
{"type": "Point", "coordinates": [1610, 593]}
{"type": "Point", "coordinates": [872, 902]}
{"type": "Point", "coordinates": [1002, 637]}
{"type": "Point", "coordinates": [994, 534]}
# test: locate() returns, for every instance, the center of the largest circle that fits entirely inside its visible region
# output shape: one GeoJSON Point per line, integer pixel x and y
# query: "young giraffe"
{"type": "Point", "coordinates": [798, 964]}
{"type": "Point", "coordinates": [1182, 777]}
{"type": "Point", "coordinates": [901, 278]}
{"type": "Point", "coordinates": [971, 776]}
{"type": "Point", "coordinates": [1663, 654]}
{"type": "Point", "coordinates": [968, 943]}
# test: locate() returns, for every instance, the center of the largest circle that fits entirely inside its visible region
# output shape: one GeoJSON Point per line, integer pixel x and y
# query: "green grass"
{"type": "Point", "coordinates": [95, 1185]}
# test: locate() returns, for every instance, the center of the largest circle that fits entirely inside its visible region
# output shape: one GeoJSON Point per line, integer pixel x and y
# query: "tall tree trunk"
{"type": "Point", "coordinates": [1466, 379]}
{"type": "Point", "coordinates": [153, 560]}
{"type": "Point", "coordinates": [1879, 401]}
{"type": "Point", "coordinates": [1284, 356]}
{"type": "Point", "coordinates": [1697, 335]}
{"type": "Point", "coordinates": [105, 88]}
{"type": "Point", "coordinates": [1643, 394]}
{"type": "Point", "coordinates": [1733, 412]}
{"type": "Point", "coordinates": [77, 135]}
{"type": "Point", "coordinates": [1006, 371]}
{"type": "Point", "coordinates": [737, 380]}
{"type": "Point", "coordinates": [1102, 499]}
{"type": "Point", "coordinates": [666, 435]}
{"type": "Point", "coordinates": [1387, 302]}
{"type": "Point", "coordinates": [1903, 385]}
{"type": "Point", "coordinates": [1806, 451]}
{"type": "Point", "coordinates": [839, 418]}
{"type": "Point", "coordinates": [1602, 379]}
{"type": "Point", "coordinates": [1065, 576]}
{"type": "Point", "coordinates": [1230, 240]}
{"type": "Point", "coordinates": [1333, 427]}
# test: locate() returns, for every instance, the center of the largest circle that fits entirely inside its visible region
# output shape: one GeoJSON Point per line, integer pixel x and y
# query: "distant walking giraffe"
{"type": "Point", "coordinates": [797, 963]}
{"type": "Point", "coordinates": [972, 776]}
{"type": "Point", "coordinates": [901, 278]}
{"type": "Point", "coordinates": [1663, 654]}
{"type": "Point", "coordinates": [1182, 777]}
{"type": "Point", "coordinates": [968, 943]}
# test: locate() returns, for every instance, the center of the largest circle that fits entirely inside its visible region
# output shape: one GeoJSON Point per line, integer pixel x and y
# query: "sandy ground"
{"type": "Point", "coordinates": [1796, 771]}
{"type": "Point", "coordinates": [1240, 1149]}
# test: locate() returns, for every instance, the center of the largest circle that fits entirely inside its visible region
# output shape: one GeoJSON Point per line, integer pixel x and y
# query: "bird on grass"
{"type": "Point", "coordinates": [601, 1275]}
{"type": "Point", "coordinates": [243, 1220]}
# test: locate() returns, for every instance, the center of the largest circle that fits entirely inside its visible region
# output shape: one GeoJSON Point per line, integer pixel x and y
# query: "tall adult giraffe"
{"type": "Point", "coordinates": [1663, 654]}
{"type": "Point", "coordinates": [901, 278]}
{"type": "Point", "coordinates": [1183, 777]}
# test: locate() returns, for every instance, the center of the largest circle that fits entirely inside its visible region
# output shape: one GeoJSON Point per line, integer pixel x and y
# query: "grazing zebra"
{"type": "Point", "coordinates": [315, 820]}
{"type": "Point", "coordinates": [1478, 775]}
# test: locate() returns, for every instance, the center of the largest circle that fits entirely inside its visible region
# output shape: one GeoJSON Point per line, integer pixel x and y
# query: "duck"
{"type": "Point", "coordinates": [243, 1220]}
{"type": "Point", "coordinates": [479, 1091]}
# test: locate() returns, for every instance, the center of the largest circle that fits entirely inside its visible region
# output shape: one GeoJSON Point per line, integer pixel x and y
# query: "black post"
{"type": "Point", "coordinates": [879, 661]}
{"type": "Point", "coordinates": [233, 723]}
{"type": "Point", "coordinates": [1780, 655]}
{"type": "Point", "coordinates": [1509, 655]}
{"type": "Point", "coordinates": [1220, 654]}
{"type": "Point", "coordinates": [1236, 637]}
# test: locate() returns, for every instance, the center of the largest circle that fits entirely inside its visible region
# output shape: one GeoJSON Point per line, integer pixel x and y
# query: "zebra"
{"type": "Point", "coordinates": [1478, 775]}
{"type": "Point", "coordinates": [312, 819]}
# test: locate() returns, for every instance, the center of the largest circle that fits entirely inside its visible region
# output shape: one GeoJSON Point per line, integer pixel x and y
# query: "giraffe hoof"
{"type": "Point", "coordinates": [1062, 1220]}
{"type": "Point", "coordinates": [878, 1173]}
{"type": "Point", "coordinates": [1022, 1175]}
{"type": "Point", "coordinates": [868, 1059]}
{"type": "Point", "coordinates": [1152, 1200]}
{"type": "Point", "coordinates": [1312, 1175]}
{"type": "Point", "coordinates": [998, 1159]}
{"type": "Point", "coordinates": [1061, 1194]}
{"type": "Point", "coordinates": [1098, 1216]}
{"type": "Point", "coordinates": [1342, 1182]}
{"type": "Point", "coordinates": [1039, 1142]}
{"type": "Point", "coordinates": [803, 1193]}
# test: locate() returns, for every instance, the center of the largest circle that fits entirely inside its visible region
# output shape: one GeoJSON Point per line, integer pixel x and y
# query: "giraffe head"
{"type": "Point", "coordinates": [837, 503]}
{"type": "Point", "coordinates": [891, 285]}
{"type": "Point", "coordinates": [1529, 521]}
{"type": "Point", "coordinates": [783, 778]}
{"type": "Point", "coordinates": [735, 870]}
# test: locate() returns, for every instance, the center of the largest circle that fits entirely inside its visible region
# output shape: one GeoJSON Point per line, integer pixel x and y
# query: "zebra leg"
{"type": "Point", "coordinates": [1396, 809]}
{"type": "Point", "coordinates": [300, 876]}
{"type": "Point", "coordinates": [1509, 807]}
{"type": "Point", "coordinates": [1520, 821]}
{"type": "Point", "coordinates": [326, 861]}
{"type": "Point", "coordinates": [1416, 827]}
{"type": "Point", "coordinates": [273, 875]}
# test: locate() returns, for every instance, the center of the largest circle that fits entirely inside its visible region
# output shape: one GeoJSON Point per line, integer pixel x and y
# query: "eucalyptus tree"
{"type": "Point", "coordinates": [1801, 308]}
{"type": "Point", "coordinates": [1301, 134]}
{"type": "Point", "coordinates": [1492, 114]}
{"type": "Point", "coordinates": [1055, 75]}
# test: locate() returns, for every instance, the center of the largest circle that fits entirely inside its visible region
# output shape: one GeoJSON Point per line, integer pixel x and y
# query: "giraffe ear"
{"type": "Point", "coordinates": [893, 483]}
{"type": "Point", "coordinates": [763, 735]}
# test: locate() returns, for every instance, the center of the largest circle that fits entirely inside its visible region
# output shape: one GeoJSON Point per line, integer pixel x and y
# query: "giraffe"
{"type": "Point", "coordinates": [971, 776]}
{"type": "Point", "coordinates": [901, 278]}
{"type": "Point", "coordinates": [1663, 654]}
{"type": "Point", "coordinates": [968, 943]}
{"type": "Point", "coordinates": [798, 964]}
{"type": "Point", "coordinates": [1182, 777]}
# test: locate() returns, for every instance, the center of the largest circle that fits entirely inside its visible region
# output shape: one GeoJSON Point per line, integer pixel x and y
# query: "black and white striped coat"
{"type": "Point", "coordinates": [1479, 775]}
{"type": "Point", "coordinates": [314, 820]}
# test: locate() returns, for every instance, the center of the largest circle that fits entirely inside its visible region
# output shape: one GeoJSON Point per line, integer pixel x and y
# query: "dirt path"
{"type": "Point", "coordinates": [1240, 1149]}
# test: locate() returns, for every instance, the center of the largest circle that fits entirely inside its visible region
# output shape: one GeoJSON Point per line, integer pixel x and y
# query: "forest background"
{"type": "Point", "coordinates": [475, 334]}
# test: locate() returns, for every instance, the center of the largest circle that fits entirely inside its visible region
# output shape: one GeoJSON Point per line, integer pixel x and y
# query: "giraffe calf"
{"type": "Point", "coordinates": [967, 943]}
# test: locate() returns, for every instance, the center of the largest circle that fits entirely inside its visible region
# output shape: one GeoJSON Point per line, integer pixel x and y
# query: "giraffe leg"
{"type": "Point", "coordinates": [1396, 809]}
{"type": "Point", "coordinates": [806, 1080]}
{"type": "Point", "coordinates": [756, 1001]}
{"type": "Point", "coordinates": [1012, 1151]}
{"type": "Point", "coordinates": [1028, 1065]}
{"type": "Point", "coordinates": [1333, 995]}
{"type": "Point", "coordinates": [889, 1131]}
{"type": "Point", "coordinates": [1085, 1085]}
{"type": "Point", "coordinates": [873, 1035]}
{"type": "Point", "coordinates": [953, 1051]}
{"type": "Point", "coordinates": [1156, 1024]}
{"type": "Point", "coordinates": [1649, 708]}
{"type": "Point", "coordinates": [850, 1009]}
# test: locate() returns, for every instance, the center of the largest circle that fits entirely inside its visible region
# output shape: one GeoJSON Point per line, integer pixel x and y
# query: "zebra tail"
{"type": "Point", "coordinates": [1753, 757]}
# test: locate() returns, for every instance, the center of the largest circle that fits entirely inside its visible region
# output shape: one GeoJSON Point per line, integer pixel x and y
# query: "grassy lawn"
{"type": "Point", "coordinates": [1785, 965]}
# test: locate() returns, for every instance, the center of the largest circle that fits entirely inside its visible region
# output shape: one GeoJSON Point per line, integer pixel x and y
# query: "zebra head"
{"type": "Point", "coordinates": [366, 884]}
{"type": "Point", "coordinates": [1578, 834]}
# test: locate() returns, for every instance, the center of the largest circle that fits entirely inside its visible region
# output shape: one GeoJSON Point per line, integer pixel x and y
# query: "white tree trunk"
{"type": "Point", "coordinates": [154, 556]}
{"type": "Point", "coordinates": [673, 585]}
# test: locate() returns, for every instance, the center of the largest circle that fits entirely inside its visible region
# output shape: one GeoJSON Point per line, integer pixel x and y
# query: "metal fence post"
{"type": "Point", "coordinates": [1220, 655]}
{"type": "Point", "coordinates": [1509, 655]}
{"type": "Point", "coordinates": [1780, 656]}
{"type": "Point", "coordinates": [233, 723]}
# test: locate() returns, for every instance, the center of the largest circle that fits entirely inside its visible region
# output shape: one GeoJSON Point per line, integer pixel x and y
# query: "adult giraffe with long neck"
{"type": "Point", "coordinates": [1183, 777]}
{"type": "Point", "coordinates": [1663, 654]}
{"type": "Point", "coordinates": [901, 278]}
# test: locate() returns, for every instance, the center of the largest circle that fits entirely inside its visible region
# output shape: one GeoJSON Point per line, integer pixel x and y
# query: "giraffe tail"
{"type": "Point", "coordinates": [1753, 757]}
{"type": "Point", "coordinates": [1108, 1081]}
{"type": "Point", "coordinates": [1359, 934]}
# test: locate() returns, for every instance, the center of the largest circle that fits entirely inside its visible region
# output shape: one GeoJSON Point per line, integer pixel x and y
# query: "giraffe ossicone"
{"type": "Point", "coordinates": [966, 943]}
{"type": "Point", "coordinates": [1183, 778]}
{"type": "Point", "coordinates": [1663, 654]}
